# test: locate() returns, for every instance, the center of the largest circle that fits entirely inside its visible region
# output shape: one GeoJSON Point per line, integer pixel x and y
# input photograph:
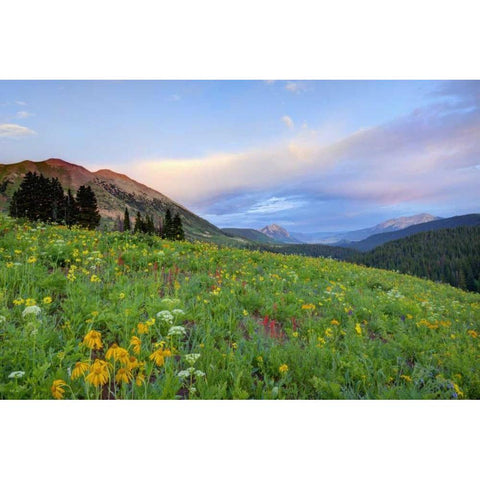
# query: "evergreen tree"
{"type": "Point", "coordinates": [139, 224]}
{"type": "Point", "coordinates": [88, 216]}
{"type": "Point", "coordinates": [177, 228]}
{"type": "Point", "coordinates": [71, 209]}
{"type": "Point", "coordinates": [25, 199]}
{"type": "Point", "coordinates": [126, 221]}
{"type": "Point", "coordinates": [168, 226]}
{"type": "Point", "coordinates": [149, 226]}
{"type": "Point", "coordinates": [57, 201]}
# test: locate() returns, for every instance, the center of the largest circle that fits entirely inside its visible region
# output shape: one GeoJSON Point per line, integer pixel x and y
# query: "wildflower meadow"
{"type": "Point", "coordinates": [92, 315]}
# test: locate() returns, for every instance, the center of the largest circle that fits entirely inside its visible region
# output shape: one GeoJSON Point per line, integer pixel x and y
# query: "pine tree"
{"type": "Point", "coordinates": [177, 228]}
{"type": "Point", "coordinates": [126, 221]}
{"type": "Point", "coordinates": [71, 209]}
{"type": "Point", "coordinates": [88, 216]}
{"type": "Point", "coordinates": [57, 201]}
{"type": "Point", "coordinates": [25, 199]}
{"type": "Point", "coordinates": [149, 226]}
{"type": "Point", "coordinates": [167, 225]}
{"type": "Point", "coordinates": [139, 224]}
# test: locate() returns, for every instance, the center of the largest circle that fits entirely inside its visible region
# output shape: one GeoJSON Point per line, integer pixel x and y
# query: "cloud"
{"type": "Point", "coordinates": [24, 114]}
{"type": "Point", "coordinates": [20, 102]}
{"type": "Point", "coordinates": [296, 87]}
{"type": "Point", "coordinates": [419, 161]}
{"type": "Point", "coordinates": [269, 82]}
{"type": "Point", "coordinates": [276, 204]}
{"type": "Point", "coordinates": [14, 131]}
{"type": "Point", "coordinates": [174, 97]}
{"type": "Point", "coordinates": [288, 121]}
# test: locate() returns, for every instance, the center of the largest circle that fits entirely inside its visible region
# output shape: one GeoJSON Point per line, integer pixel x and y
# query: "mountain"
{"type": "Point", "coordinates": [341, 238]}
{"type": "Point", "coordinates": [279, 234]}
{"type": "Point", "coordinates": [114, 192]}
{"type": "Point", "coordinates": [379, 239]}
{"type": "Point", "coordinates": [249, 234]}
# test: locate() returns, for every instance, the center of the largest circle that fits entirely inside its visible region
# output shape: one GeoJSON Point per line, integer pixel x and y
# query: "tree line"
{"type": "Point", "coordinates": [450, 255]}
{"type": "Point", "coordinates": [39, 198]}
{"type": "Point", "coordinates": [170, 228]}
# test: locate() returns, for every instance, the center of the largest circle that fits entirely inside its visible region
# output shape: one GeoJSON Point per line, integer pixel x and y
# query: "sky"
{"type": "Point", "coordinates": [312, 156]}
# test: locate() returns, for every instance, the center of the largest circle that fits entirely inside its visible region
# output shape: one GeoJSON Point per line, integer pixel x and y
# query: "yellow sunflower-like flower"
{"type": "Point", "coordinates": [93, 340]}
{"type": "Point", "coordinates": [132, 363]}
{"type": "Point", "coordinates": [158, 356]}
{"type": "Point", "coordinates": [47, 300]}
{"type": "Point", "coordinates": [79, 369]}
{"type": "Point", "coordinates": [98, 373]}
{"type": "Point", "coordinates": [283, 368]}
{"type": "Point", "coordinates": [57, 389]}
{"type": "Point", "coordinates": [112, 351]}
{"type": "Point", "coordinates": [123, 375]}
{"type": "Point", "coordinates": [358, 329]}
{"type": "Point", "coordinates": [122, 356]}
{"type": "Point", "coordinates": [136, 343]}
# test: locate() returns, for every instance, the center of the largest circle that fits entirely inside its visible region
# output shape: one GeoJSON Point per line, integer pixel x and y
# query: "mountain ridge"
{"type": "Point", "coordinates": [114, 192]}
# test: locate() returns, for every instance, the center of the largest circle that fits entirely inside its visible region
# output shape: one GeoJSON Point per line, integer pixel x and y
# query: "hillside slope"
{"type": "Point", "coordinates": [110, 315]}
{"type": "Point", "coordinates": [449, 255]}
{"type": "Point", "coordinates": [379, 239]}
{"type": "Point", "coordinates": [114, 191]}
{"type": "Point", "coordinates": [249, 234]}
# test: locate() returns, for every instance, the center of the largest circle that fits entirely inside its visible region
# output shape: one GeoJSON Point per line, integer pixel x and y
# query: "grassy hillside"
{"type": "Point", "coordinates": [107, 315]}
{"type": "Point", "coordinates": [451, 256]}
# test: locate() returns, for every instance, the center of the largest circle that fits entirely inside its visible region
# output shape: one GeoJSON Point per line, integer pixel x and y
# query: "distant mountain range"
{"type": "Point", "coordinates": [341, 238]}
{"type": "Point", "coordinates": [114, 192]}
{"type": "Point", "coordinates": [373, 241]}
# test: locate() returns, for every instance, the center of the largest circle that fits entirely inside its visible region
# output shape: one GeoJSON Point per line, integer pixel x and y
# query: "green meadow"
{"type": "Point", "coordinates": [96, 315]}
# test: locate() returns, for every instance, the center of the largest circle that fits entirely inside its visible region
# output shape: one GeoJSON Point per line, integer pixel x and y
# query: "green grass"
{"type": "Point", "coordinates": [265, 325]}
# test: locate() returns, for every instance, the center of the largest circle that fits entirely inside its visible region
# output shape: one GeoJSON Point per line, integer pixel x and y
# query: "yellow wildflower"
{"type": "Point", "coordinates": [136, 343]}
{"type": "Point", "coordinates": [31, 260]}
{"type": "Point", "coordinates": [158, 356]}
{"type": "Point", "coordinates": [47, 300]}
{"type": "Point", "coordinates": [93, 340]}
{"type": "Point", "coordinates": [19, 301]}
{"type": "Point", "coordinates": [283, 368]}
{"type": "Point", "coordinates": [329, 332]}
{"type": "Point", "coordinates": [30, 302]}
{"type": "Point", "coordinates": [57, 389]}
{"type": "Point", "coordinates": [335, 322]}
{"type": "Point", "coordinates": [358, 329]}
{"type": "Point", "coordinates": [473, 333]}
{"type": "Point", "coordinates": [94, 279]}
{"type": "Point", "coordinates": [308, 306]}
{"type": "Point", "coordinates": [99, 373]}
{"type": "Point", "coordinates": [457, 390]}
{"type": "Point", "coordinates": [142, 328]}
{"type": "Point", "coordinates": [123, 375]}
{"type": "Point", "coordinates": [406, 378]}
{"type": "Point", "coordinates": [79, 369]}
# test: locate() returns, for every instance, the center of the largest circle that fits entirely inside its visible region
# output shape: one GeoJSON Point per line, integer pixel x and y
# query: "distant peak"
{"type": "Point", "coordinates": [56, 162]}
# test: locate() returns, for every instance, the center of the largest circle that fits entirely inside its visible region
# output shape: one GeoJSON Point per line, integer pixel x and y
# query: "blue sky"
{"type": "Point", "coordinates": [309, 155]}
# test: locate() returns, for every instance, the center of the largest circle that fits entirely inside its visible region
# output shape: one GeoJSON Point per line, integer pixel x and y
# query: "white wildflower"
{"type": "Point", "coordinates": [178, 312]}
{"type": "Point", "coordinates": [177, 330]}
{"type": "Point", "coordinates": [34, 310]}
{"type": "Point", "coordinates": [18, 374]}
{"type": "Point", "coordinates": [165, 316]}
{"type": "Point", "coordinates": [199, 373]}
{"type": "Point", "coordinates": [191, 358]}
{"type": "Point", "coordinates": [183, 374]}
{"type": "Point", "coordinates": [2, 319]}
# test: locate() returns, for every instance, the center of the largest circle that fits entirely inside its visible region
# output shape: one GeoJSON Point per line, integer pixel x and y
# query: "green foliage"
{"type": "Point", "coordinates": [264, 325]}
{"type": "Point", "coordinates": [126, 221]}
